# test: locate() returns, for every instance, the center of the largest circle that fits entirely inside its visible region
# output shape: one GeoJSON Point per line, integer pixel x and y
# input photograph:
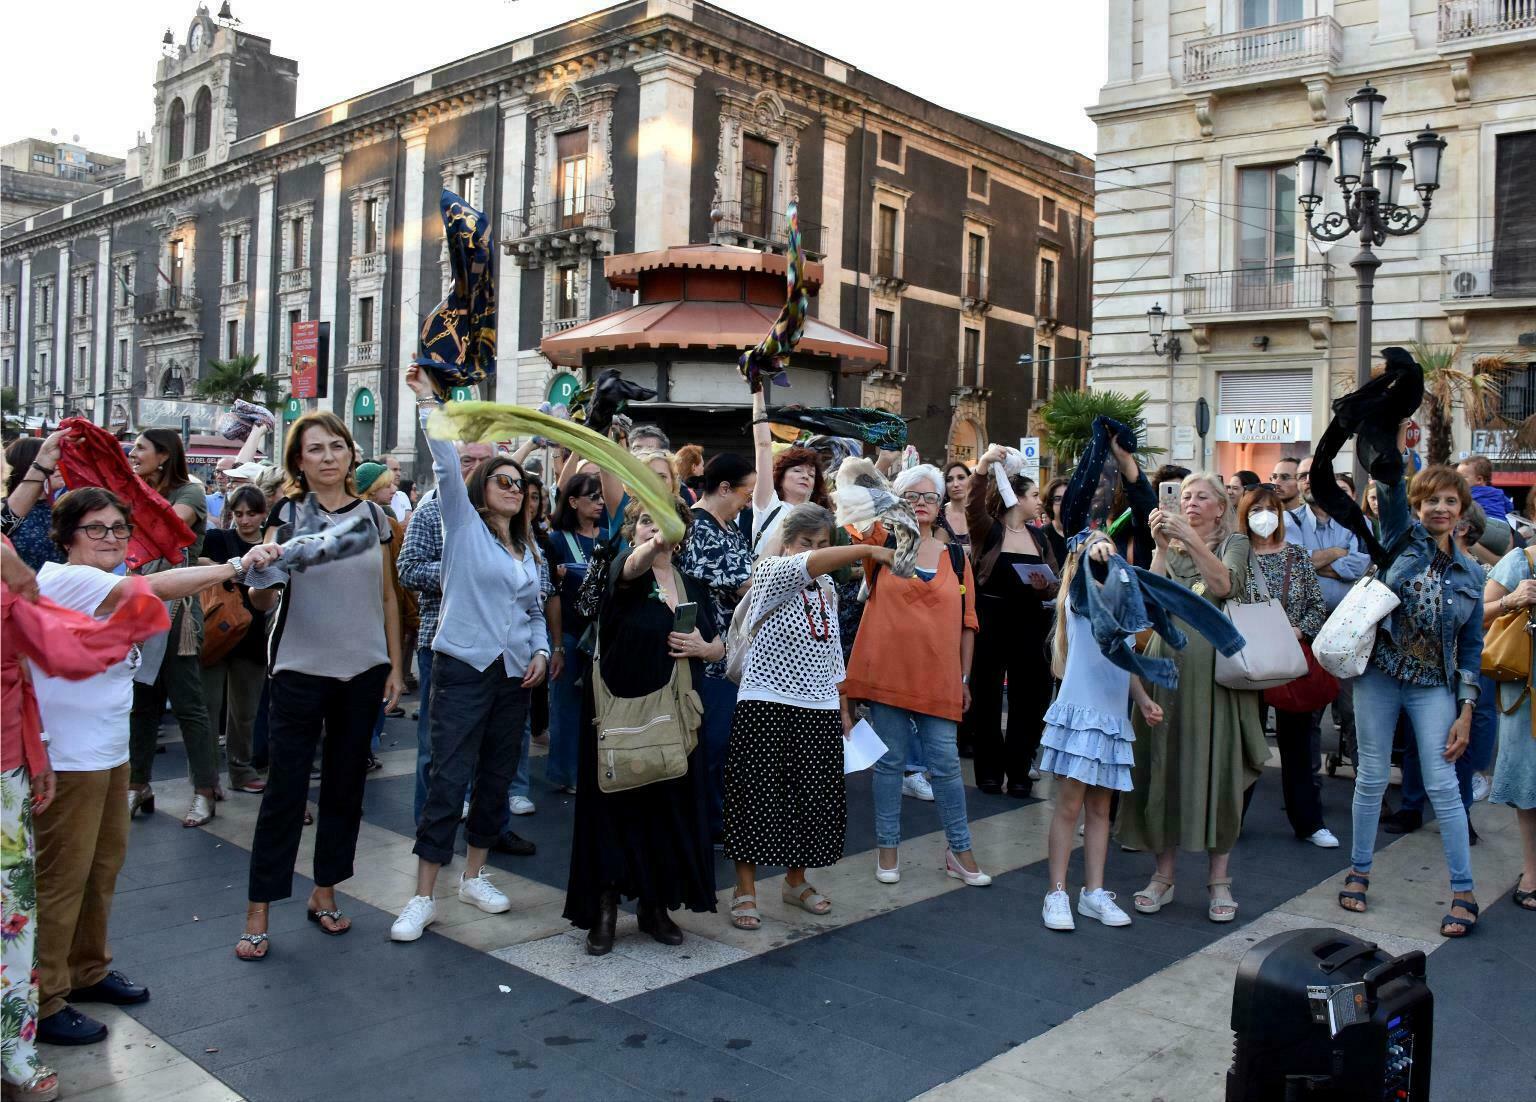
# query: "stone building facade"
{"type": "Point", "coordinates": [962, 246]}
{"type": "Point", "coordinates": [1208, 104]}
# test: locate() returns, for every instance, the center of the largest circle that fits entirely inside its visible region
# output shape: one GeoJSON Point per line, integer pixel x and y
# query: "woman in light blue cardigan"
{"type": "Point", "coordinates": [491, 648]}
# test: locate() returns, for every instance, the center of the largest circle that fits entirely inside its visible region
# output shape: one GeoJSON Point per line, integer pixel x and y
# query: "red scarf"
{"type": "Point", "coordinates": [92, 456]}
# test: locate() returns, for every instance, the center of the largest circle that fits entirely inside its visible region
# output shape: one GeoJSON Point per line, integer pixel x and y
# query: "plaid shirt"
{"type": "Point", "coordinates": [420, 566]}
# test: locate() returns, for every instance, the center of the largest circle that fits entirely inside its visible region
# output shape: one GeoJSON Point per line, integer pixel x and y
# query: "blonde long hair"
{"type": "Point", "coordinates": [1063, 603]}
{"type": "Point", "coordinates": [1226, 524]}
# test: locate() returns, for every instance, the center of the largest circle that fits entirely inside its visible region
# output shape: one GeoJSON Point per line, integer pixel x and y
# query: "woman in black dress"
{"type": "Point", "coordinates": [649, 843]}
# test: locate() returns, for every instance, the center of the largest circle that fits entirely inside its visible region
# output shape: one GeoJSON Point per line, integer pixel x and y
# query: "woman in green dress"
{"type": "Point", "coordinates": [1192, 769]}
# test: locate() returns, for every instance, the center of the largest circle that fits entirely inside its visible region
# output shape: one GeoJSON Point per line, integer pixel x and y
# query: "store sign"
{"type": "Point", "coordinates": [461, 394]}
{"type": "Point", "coordinates": [363, 405]}
{"type": "Point", "coordinates": [293, 409]}
{"type": "Point", "coordinates": [1273, 428]}
{"type": "Point", "coordinates": [168, 412]}
{"type": "Point", "coordinates": [311, 343]}
{"type": "Point", "coordinates": [563, 388]}
{"type": "Point", "coordinates": [1498, 444]}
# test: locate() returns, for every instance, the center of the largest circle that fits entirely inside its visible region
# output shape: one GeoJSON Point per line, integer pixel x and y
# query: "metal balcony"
{"type": "Point", "coordinates": [170, 309]}
{"type": "Point", "coordinates": [757, 228]}
{"type": "Point", "coordinates": [1470, 278]}
{"type": "Point", "coordinates": [1305, 44]}
{"type": "Point", "coordinates": [1258, 290]}
{"type": "Point", "coordinates": [1461, 20]}
{"type": "Point", "coordinates": [571, 227]}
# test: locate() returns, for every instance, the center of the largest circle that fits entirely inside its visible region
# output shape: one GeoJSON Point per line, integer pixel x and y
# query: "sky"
{"type": "Point", "coordinates": [1029, 65]}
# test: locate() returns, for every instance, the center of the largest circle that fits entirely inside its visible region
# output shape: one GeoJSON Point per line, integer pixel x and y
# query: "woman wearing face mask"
{"type": "Point", "coordinates": [1191, 770]}
{"type": "Point", "coordinates": [1289, 575]}
{"type": "Point", "coordinates": [1015, 624]}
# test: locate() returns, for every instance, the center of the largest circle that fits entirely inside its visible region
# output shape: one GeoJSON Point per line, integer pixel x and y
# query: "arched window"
{"type": "Point", "coordinates": [202, 119]}
{"type": "Point", "coordinates": [176, 123]}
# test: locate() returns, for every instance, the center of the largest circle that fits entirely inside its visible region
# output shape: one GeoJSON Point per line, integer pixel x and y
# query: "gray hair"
{"type": "Point", "coordinates": [652, 431]}
{"type": "Point", "coordinates": [805, 520]}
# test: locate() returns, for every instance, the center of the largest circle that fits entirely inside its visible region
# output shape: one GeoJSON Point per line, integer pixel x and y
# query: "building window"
{"type": "Point", "coordinates": [294, 317]}
{"type": "Point", "coordinates": [176, 125]}
{"type": "Point", "coordinates": [1043, 372]}
{"type": "Point", "coordinates": [756, 185]}
{"type": "Point", "coordinates": [370, 226]}
{"type": "Point", "coordinates": [125, 284]}
{"type": "Point", "coordinates": [6, 373]}
{"type": "Point", "coordinates": [571, 182]}
{"type": "Point", "coordinates": [43, 373]}
{"type": "Point", "coordinates": [45, 304]}
{"type": "Point", "coordinates": [236, 248]}
{"type": "Point", "coordinates": [970, 358]}
{"type": "Point", "coordinates": [885, 320]}
{"type": "Point", "coordinates": [1263, 13]}
{"type": "Point", "coordinates": [568, 295]}
{"type": "Point", "coordinates": [1266, 235]}
{"type": "Point", "coordinates": [890, 147]}
{"type": "Point", "coordinates": [295, 243]}
{"type": "Point", "coordinates": [1047, 287]}
{"type": "Point", "coordinates": [975, 265]}
{"type": "Point", "coordinates": [466, 187]}
{"type": "Point", "coordinates": [122, 356]}
{"type": "Point", "coordinates": [231, 339]}
{"type": "Point", "coordinates": [82, 367]}
{"type": "Point", "coordinates": [365, 319]}
{"type": "Point", "coordinates": [202, 120]}
{"type": "Point", "coordinates": [10, 313]}
{"type": "Point", "coordinates": [1517, 398]}
{"type": "Point", "coordinates": [1047, 211]}
{"type": "Point", "coordinates": [82, 295]}
{"type": "Point", "coordinates": [885, 254]}
{"type": "Point", "coordinates": [979, 180]}
{"type": "Point", "coordinates": [1514, 215]}
{"type": "Point", "coordinates": [178, 264]}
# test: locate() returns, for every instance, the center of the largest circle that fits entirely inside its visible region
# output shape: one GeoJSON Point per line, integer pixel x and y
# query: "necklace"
{"type": "Point", "coordinates": [1016, 531]}
{"type": "Point", "coordinates": [824, 633]}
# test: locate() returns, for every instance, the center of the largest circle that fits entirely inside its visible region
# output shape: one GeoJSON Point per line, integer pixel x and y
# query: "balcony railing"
{"type": "Point", "coordinates": [196, 163]}
{"type": "Point", "coordinates": [970, 373]}
{"type": "Point", "coordinates": [887, 272]}
{"type": "Point", "coordinates": [170, 307]}
{"type": "Point", "coordinates": [1263, 49]}
{"type": "Point", "coordinates": [975, 290]}
{"type": "Point", "coordinates": [294, 280]}
{"type": "Point", "coordinates": [560, 325]}
{"type": "Point", "coordinates": [568, 213]}
{"type": "Point", "coordinates": [365, 352]}
{"type": "Point", "coordinates": [1463, 19]}
{"type": "Point", "coordinates": [1501, 272]}
{"type": "Point", "coordinates": [759, 228]}
{"type": "Point", "coordinates": [122, 315]}
{"type": "Point", "coordinates": [171, 171]}
{"type": "Point", "coordinates": [369, 264]}
{"type": "Point", "coordinates": [1258, 290]}
{"type": "Point", "coordinates": [1047, 305]}
{"type": "Point", "coordinates": [81, 320]}
{"type": "Point", "coordinates": [233, 294]}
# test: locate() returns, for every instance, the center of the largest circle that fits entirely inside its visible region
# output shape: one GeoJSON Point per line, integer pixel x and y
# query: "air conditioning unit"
{"type": "Point", "coordinates": [1470, 283]}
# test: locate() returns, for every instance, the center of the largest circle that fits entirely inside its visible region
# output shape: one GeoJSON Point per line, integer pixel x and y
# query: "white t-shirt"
{"type": "Point", "coordinates": [400, 505]}
{"type": "Point", "coordinates": [85, 722]}
{"type": "Point", "coordinates": [766, 522]}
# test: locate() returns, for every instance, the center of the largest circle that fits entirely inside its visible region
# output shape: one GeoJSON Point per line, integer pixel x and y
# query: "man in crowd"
{"type": "Point", "coordinates": [1478, 471]}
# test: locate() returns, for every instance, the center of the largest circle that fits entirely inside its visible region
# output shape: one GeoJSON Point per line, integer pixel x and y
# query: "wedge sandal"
{"type": "Point", "coordinates": [806, 898]}
{"type": "Point", "coordinates": [1155, 896]}
{"type": "Point", "coordinates": [1221, 910]}
{"type": "Point", "coordinates": [746, 917]}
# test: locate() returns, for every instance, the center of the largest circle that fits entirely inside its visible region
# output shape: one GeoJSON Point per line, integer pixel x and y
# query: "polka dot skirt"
{"type": "Point", "coordinates": [784, 799]}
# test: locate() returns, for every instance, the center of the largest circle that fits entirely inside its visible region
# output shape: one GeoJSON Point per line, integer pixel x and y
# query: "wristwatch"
{"type": "Point", "coordinates": [557, 650]}
{"type": "Point", "coordinates": [237, 564]}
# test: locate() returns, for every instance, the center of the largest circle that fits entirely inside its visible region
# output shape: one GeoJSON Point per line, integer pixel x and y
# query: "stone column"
{"type": "Point", "coordinates": [834, 162]}
{"type": "Point", "coordinates": [412, 196]}
{"type": "Point", "coordinates": [103, 323]}
{"type": "Point", "coordinates": [1121, 26]}
{"type": "Point", "coordinates": [265, 262]}
{"type": "Point", "coordinates": [665, 164]}
{"type": "Point", "coordinates": [330, 262]}
{"type": "Point", "coordinates": [61, 312]}
{"type": "Point", "coordinates": [1155, 19]}
{"type": "Point", "coordinates": [510, 197]}
{"type": "Point", "coordinates": [24, 349]}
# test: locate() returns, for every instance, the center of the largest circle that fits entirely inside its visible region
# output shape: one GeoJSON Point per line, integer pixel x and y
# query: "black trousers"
{"type": "Point", "coordinates": [477, 719]}
{"type": "Point", "coordinates": [1303, 803]}
{"type": "Point", "coordinates": [1012, 648]}
{"type": "Point", "coordinates": [301, 706]}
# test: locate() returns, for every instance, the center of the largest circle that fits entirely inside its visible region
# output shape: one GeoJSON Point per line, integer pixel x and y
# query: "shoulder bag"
{"type": "Point", "coordinates": [1344, 646]}
{"type": "Point", "coordinates": [1507, 645]}
{"type": "Point", "coordinates": [225, 621]}
{"type": "Point", "coordinates": [1315, 689]}
{"type": "Point", "coordinates": [1271, 655]}
{"type": "Point", "coordinates": [645, 739]}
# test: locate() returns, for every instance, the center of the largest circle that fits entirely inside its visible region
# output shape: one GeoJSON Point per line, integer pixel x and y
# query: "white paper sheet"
{"type": "Point", "coordinates": [1029, 570]}
{"type": "Point", "coordinates": [862, 748]}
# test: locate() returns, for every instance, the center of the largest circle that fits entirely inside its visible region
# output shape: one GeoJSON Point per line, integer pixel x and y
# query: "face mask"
{"type": "Point", "coordinates": [1263, 522]}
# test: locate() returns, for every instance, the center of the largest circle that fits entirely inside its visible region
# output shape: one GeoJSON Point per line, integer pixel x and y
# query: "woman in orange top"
{"type": "Point", "coordinates": [912, 663]}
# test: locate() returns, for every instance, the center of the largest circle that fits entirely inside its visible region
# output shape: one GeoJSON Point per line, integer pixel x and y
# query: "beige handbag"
{"type": "Point", "coordinates": [645, 739]}
{"type": "Point", "coordinates": [1271, 655]}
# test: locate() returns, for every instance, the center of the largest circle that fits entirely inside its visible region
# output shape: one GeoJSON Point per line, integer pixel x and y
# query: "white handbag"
{"type": "Point", "coordinates": [1271, 655]}
{"type": "Point", "coordinates": [1344, 645]}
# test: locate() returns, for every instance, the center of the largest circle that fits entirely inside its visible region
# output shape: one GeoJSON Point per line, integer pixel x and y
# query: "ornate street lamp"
{"type": "Point", "coordinates": [1156, 319]}
{"type": "Point", "coordinates": [1371, 187]}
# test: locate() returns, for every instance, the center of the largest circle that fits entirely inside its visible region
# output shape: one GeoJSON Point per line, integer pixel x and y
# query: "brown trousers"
{"type": "Point", "coordinates": [81, 841]}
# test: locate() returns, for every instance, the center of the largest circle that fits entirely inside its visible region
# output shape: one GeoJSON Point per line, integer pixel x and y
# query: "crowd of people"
{"type": "Point", "coordinates": [697, 693]}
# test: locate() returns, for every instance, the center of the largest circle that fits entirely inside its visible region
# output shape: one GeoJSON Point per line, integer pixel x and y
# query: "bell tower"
{"type": "Point", "coordinates": [219, 85]}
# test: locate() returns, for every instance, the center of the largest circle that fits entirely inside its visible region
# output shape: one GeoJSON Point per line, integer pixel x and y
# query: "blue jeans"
{"type": "Point", "coordinates": [520, 780]}
{"type": "Point", "coordinates": [900, 730]}
{"type": "Point", "coordinates": [1431, 711]}
{"type": "Point", "coordinates": [560, 768]}
{"type": "Point", "coordinates": [719, 696]}
{"type": "Point", "coordinates": [1479, 754]}
{"type": "Point", "coordinates": [423, 730]}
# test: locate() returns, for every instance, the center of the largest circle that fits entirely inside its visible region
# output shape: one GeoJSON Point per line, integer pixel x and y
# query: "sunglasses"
{"type": "Point", "coordinates": [913, 497]}
{"type": "Point", "coordinates": [507, 482]}
{"type": "Point", "coordinates": [118, 531]}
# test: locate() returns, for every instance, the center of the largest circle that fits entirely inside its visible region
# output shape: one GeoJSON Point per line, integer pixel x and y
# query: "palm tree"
{"type": "Point", "coordinates": [236, 377]}
{"type": "Point", "coordinates": [1068, 419]}
{"type": "Point", "coordinates": [1446, 386]}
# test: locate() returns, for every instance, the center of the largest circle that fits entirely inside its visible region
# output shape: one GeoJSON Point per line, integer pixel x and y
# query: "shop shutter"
{"type": "Point", "coordinates": [1264, 392]}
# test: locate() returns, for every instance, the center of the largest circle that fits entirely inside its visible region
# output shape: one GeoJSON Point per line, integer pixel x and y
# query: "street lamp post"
{"type": "Point", "coordinates": [1370, 210]}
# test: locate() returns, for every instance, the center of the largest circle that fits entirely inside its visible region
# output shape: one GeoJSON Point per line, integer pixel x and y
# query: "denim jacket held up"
{"type": "Point", "coordinates": [1461, 618]}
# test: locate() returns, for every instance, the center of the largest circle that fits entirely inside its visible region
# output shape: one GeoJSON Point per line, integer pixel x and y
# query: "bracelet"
{"type": "Point", "coordinates": [35, 481]}
{"type": "Point", "coordinates": [46, 470]}
{"type": "Point", "coordinates": [557, 650]}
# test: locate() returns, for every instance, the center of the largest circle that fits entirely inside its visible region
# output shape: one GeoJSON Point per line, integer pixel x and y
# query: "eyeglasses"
{"type": "Point", "coordinates": [507, 482]}
{"type": "Point", "coordinates": [1304, 477]}
{"type": "Point", "coordinates": [912, 497]}
{"type": "Point", "coordinates": [118, 531]}
{"type": "Point", "coordinates": [595, 495]}
{"type": "Point", "coordinates": [1283, 477]}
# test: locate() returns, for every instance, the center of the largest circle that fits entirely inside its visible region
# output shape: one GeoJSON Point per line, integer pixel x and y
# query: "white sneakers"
{"type": "Point", "coordinates": [520, 805]}
{"type": "Point", "coordinates": [419, 913]}
{"type": "Point", "coordinates": [1480, 787]}
{"type": "Point", "coordinates": [478, 891]}
{"type": "Point", "coordinates": [1099, 904]}
{"type": "Point", "coordinates": [1057, 912]}
{"type": "Point", "coordinates": [1324, 839]}
{"type": "Point", "coordinates": [916, 785]}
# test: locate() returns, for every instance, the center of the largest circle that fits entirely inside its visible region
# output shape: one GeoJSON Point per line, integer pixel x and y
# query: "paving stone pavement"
{"type": "Point", "coordinates": [921, 988]}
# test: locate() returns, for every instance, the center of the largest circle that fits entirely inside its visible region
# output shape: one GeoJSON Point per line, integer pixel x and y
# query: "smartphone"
{"type": "Point", "coordinates": [1168, 494]}
{"type": "Point", "coordinates": [686, 618]}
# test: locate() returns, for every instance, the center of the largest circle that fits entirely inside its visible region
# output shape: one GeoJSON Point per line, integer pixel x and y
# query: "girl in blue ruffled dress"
{"type": "Point", "coordinates": [1087, 745]}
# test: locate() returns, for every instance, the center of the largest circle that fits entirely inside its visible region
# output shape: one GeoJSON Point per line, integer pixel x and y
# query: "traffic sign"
{"type": "Point", "coordinates": [1414, 434]}
{"type": "Point", "coordinates": [1029, 447]}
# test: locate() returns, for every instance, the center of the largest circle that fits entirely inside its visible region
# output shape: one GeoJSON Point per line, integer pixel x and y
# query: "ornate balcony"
{"type": "Point", "coordinates": [170, 171]}
{"type": "Point", "coordinates": [42, 333]}
{"type": "Point", "coordinates": [368, 266]}
{"type": "Point", "coordinates": [975, 293]}
{"type": "Point", "coordinates": [122, 314]}
{"type": "Point", "coordinates": [1281, 49]}
{"type": "Point", "coordinates": [171, 309]}
{"type": "Point", "coordinates": [887, 274]}
{"type": "Point", "coordinates": [766, 231]}
{"type": "Point", "coordinates": [292, 281]}
{"type": "Point", "coordinates": [1462, 21]}
{"type": "Point", "coordinates": [364, 353]}
{"type": "Point", "coordinates": [196, 163]}
{"type": "Point", "coordinates": [81, 320]}
{"type": "Point", "coordinates": [1274, 290]}
{"type": "Point", "coordinates": [569, 228]}
{"type": "Point", "coordinates": [233, 294]}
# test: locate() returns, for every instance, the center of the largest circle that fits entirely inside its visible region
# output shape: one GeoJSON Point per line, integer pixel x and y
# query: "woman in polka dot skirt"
{"type": "Point", "coordinates": [784, 798]}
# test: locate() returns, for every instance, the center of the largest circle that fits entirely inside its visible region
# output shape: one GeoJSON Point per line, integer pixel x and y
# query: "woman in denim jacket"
{"type": "Point", "coordinates": [1426, 663]}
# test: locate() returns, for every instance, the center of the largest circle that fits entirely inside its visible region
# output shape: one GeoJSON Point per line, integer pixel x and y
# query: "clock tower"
{"type": "Point", "coordinates": [221, 84]}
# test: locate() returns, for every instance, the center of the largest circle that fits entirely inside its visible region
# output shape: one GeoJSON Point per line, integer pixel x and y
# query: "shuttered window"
{"type": "Point", "coordinates": [1263, 391]}
{"type": "Point", "coordinates": [1514, 215]}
